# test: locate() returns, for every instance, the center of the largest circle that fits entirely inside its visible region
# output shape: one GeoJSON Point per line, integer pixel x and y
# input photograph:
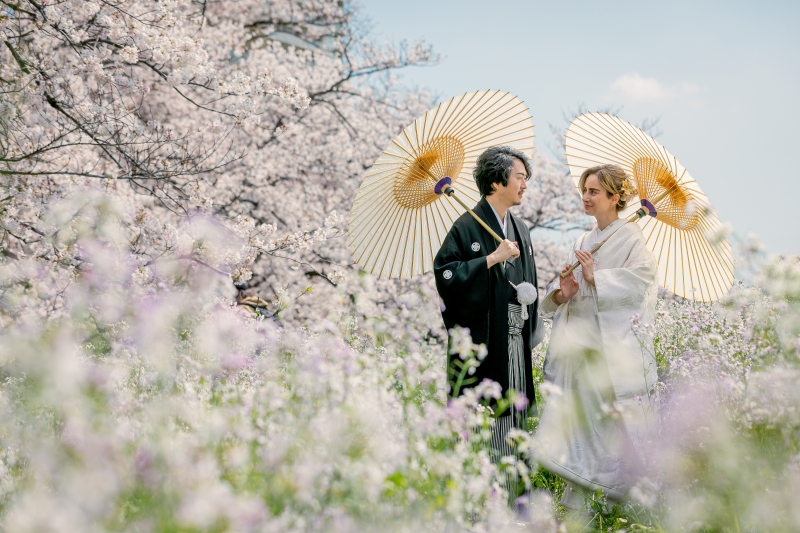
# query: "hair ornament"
{"type": "Point", "coordinates": [628, 189]}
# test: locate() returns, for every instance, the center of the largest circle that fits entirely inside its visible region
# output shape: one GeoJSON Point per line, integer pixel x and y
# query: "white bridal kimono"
{"type": "Point", "coordinates": [600, 376]}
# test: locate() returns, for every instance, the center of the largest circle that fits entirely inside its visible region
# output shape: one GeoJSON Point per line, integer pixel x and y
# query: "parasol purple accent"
{"type": "Point", "coordinates": [441, 184]}
{"type": "Point", "coordinates": [650, 207]}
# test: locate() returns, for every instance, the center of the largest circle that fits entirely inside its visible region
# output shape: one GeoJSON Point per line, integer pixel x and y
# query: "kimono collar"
{"type": "Point", "coordinates": [486, 212]}
{"type": "Point", "coordinates": [611, 227]}
{"type": "Point", "coordinates": [503, 223]}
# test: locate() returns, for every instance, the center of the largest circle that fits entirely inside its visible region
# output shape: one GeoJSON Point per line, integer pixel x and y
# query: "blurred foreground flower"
{"type": "Point", "coordinates": [151, 403]}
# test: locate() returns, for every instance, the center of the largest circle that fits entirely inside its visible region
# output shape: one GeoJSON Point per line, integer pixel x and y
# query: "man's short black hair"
{"type": "Point", "coordinates": [494, 166]}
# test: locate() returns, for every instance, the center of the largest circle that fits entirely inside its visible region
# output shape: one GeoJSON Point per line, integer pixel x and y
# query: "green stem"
{"type": "Point", "coordinates": [460, 380]}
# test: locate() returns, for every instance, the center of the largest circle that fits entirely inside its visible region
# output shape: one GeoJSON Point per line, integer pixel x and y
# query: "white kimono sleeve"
{"type": "Point", "coordinates": [622, 293]}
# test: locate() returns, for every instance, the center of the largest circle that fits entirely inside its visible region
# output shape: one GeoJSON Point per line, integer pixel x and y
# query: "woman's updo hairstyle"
{"type": "Point", "coordinates": [614, 180]}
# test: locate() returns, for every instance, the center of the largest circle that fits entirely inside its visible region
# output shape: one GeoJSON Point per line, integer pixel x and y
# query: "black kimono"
{"type": "Point", "coordinates": [477, 297]}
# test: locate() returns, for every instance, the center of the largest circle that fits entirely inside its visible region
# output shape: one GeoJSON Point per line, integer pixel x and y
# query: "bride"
{"type": "Point", "coordinates": [602, 375]}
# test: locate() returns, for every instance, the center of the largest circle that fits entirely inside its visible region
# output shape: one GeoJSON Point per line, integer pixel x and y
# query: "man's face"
{"type": "Point", "coordinates": [512, 193]}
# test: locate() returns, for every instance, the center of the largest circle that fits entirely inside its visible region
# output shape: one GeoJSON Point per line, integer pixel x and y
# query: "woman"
{"type": "Point", "coordinates": [601, 374]}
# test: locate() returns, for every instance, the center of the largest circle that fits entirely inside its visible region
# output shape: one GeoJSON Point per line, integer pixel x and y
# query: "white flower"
{"type": "Point", "coordinates": [719, 234]}
{"type": "Point", "coordinates": [130, 54]}
{"type": "Point", "coordinates": [645, 492]}
{"type": "Point", "coordinates": [332, 220]}
{"type": "Point", "coordinates": [337, 277]}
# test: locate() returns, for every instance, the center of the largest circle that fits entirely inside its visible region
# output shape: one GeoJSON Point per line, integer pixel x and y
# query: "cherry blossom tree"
{"type": "Point", "coordinates": [261, 116]}
{"type": "Point", "coordinates": [173, 109]}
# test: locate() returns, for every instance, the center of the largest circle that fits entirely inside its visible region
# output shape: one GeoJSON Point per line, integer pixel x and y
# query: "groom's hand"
{"type": "Point", "coordinates": [504, 251]}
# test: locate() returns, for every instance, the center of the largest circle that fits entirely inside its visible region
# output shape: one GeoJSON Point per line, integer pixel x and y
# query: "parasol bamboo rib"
{"type": "Point", "coordinates": [397, 223]}
{"type": "Point", "coordinates": [450, 192]}
{"type": "Point", "coordinates": [688, 263]}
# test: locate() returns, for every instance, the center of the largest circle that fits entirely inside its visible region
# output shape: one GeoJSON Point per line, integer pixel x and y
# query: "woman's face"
{"type": "Point", "coordinates": [596, 201]}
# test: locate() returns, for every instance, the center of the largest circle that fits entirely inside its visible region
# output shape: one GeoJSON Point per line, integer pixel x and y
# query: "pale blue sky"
{"type": "Point", "coordinates": [724, 76]}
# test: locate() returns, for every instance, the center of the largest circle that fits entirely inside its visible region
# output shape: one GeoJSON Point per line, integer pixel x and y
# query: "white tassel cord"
{"type": "Point", "coordinates": [526, 295]}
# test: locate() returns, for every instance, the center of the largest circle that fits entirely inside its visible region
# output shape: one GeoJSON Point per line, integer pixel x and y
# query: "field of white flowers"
{"type": "Point", "coordinates": [161, 406]}
{"type": "Point", "coordinates": [154, 154]}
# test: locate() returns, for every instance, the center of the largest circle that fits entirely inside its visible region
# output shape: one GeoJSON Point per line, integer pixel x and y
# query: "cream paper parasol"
{"type": "Point", "coordinates": [681, 219]}
{"type": "Point", "coordinates": [412, 194]}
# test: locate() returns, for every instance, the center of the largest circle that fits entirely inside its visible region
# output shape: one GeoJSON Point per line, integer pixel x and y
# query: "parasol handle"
{"type": "Point", "coordinates": [592, 251]}
{"type": "Point", "coordinates": [443, 187]}
{"type": "Point", "coordinates": [449, 191]}
{"type": "Point", "coordinates": [648, 208]}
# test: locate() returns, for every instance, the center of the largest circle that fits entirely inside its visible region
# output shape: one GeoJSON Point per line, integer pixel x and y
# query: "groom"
{"type": "Point", "coordinates": [473, 272]}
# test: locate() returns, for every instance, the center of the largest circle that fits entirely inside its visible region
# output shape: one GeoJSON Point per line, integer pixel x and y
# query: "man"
{"type": "Point", "coordinates": [473, 272]}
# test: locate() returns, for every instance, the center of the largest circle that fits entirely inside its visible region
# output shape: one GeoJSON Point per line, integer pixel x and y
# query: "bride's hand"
{"type": "Point", "coordinates": [587, 266]}
{"type": "Point", "coordinates": [569, 287]}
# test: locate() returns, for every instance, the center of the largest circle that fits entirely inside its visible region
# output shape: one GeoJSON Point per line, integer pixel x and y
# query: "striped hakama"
{"type": "Point", "coordinates": [499, 445]}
